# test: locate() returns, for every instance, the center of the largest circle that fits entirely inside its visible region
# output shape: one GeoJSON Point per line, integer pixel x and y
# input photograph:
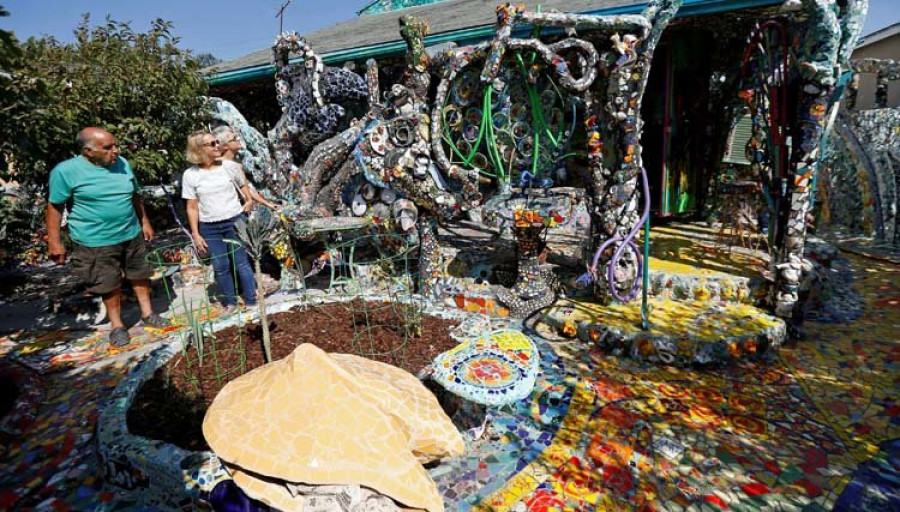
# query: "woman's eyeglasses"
{"type": "Point", "coordinates": [211, 144]}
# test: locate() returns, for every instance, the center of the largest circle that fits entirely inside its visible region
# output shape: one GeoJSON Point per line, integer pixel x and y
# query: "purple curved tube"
{"type": "Point", "coordinates": [625, 243]}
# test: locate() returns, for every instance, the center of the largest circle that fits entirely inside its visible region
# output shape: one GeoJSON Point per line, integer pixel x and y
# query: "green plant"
{"type": "Point", "coordinates": [21, 227]}
{"type": "Point", "coordinates": [255, 232]}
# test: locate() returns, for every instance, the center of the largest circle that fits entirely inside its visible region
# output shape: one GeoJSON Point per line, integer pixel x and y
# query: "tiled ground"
{"type": "Point", "coordinates": [600, 433]}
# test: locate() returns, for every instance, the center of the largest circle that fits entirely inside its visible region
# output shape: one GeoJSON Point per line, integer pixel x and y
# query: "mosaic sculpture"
{"type": "Point", "coordinates": [395, 164]}
{"type": "Point", "coordinates": [504, 112]}
{"type": "Point", "coordinates": [522, 144]}
{"type": "Point", "coordinates": [255, 155]}
{"type": "Point", "coordinates": [313, 99]}
{"type": "Point", "coordinates": [305, 402]}
{"type": "Point", "coordinates": [312, 96]}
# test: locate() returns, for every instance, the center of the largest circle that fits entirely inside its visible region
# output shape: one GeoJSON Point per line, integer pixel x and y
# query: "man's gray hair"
{"type": "Point", "coordinates": [82, 140]}
{"type": "Point", "coordinates": [222, 133]}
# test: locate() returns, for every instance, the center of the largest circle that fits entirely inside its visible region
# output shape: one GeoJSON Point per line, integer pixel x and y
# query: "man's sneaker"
{"type": "Point", "coordinates": [154, 320]}
{"type": "Point", "coordinates": [119, 337]}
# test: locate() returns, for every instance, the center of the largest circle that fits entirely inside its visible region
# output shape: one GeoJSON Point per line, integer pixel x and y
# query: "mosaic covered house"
{"type": "Point", "coordinates": [586, 109]}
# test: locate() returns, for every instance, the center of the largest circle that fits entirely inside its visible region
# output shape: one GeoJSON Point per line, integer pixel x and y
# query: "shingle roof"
{"type": "Point", "coordinates": [878, 35]}
{"type": "Point", "coordinates": [377, 29]}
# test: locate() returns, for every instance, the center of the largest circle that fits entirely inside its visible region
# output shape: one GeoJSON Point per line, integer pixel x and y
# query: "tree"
{"type": "Point", "coordinates": [139, 86]}
{"type": "Point", "coordinates": [9, 47]}
{"type": "Point", "coordinates": [205, 60]}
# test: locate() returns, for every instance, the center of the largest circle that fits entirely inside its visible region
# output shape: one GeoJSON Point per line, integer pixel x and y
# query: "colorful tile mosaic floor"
{"type": "Point", "coordinates": [816, 429]}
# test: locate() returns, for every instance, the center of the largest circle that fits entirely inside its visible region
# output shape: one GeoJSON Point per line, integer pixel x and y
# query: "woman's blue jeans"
{"type": "Point", "coordinates": [221, 240]}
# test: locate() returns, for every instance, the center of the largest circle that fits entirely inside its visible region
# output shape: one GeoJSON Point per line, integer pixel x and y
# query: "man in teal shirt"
{"type": "Point", "coordinates": [108, 224]}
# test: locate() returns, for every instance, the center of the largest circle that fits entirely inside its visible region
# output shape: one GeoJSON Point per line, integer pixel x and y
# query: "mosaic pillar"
{"type": "Point", "coordinates": [852, 92]}
{"type": "Point", "coordinates": [615, 191]}
{"type": "Point", "coordinates": [827, 38]}
{"type": "Point", "coordinates": [431, 261]}
{"type": "Point", "coordinates": [790, 258]}
{"type": "Point", "coordinates": [881, 91]}
{"type": "Point", "coordinates": [529, 282]}
{"type": "Point", "coordinates": [373, 85]}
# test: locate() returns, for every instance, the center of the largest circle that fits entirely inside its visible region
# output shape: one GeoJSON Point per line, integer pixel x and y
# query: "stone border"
{"type": "Point", "coordinates": [677, 351]}
{"type": "Point", "coordinates": [702, 288]}
{"type": "Point", "coordinates": [165, 476]}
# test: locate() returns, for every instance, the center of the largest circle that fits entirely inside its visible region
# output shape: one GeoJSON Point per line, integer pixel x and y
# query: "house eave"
{"type": "Point", "coordinates": [475, 34]}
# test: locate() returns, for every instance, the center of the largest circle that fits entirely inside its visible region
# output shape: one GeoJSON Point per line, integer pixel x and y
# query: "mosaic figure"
{"type": "Point", "coordinates": [255, 155]}
{"type": "Point", "coordinates": [312, 96]}
{"type": "Point", "coordinates": [313, 99]}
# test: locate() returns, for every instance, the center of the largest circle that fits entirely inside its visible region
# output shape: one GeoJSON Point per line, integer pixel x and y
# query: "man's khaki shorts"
{"type": "Point", "coordinates": [101, 268]}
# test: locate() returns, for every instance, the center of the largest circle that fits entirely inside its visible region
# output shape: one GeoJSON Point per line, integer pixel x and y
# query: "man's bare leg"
{"type": "Point", "coordinates": [113, 303]}
{"type": "Point", "coordinates": [142, 292]}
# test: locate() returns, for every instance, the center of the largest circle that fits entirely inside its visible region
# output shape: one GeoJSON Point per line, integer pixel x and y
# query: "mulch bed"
{"type": "Point", "coordinates": [170, 406]}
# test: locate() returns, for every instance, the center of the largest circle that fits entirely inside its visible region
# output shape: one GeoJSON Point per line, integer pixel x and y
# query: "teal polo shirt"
{"type": "Point", "coordinates": [101, 212]}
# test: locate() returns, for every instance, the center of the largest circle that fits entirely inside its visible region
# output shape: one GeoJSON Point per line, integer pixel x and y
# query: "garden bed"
{"type": "Point", "coordinates": [182, 389]}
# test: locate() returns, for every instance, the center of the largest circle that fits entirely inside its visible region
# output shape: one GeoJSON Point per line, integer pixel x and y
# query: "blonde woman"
{"type": "Point", "coordinates": [213, 207]}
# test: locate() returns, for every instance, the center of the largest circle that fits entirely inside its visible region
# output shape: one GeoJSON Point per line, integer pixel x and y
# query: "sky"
{"type": "Point", "coordinates": [231, 28]}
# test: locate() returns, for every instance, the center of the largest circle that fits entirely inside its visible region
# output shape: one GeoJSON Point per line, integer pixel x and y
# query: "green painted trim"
{"type": "Point", "coordinates": [368, 9]}
{"type": "Point", "coordinates": [368, 5]}
{"type": "Point", "coordinates": [477, 34]}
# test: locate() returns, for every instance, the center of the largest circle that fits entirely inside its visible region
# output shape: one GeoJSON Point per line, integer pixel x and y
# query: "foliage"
{"type": "Point", "coordinates": [139, 86]}
{"type": "Point", "coordinates": [21, 229]}
{"type": "Point", "coordinates": [205, 60]}
{"type": "Point", "coordinates": [9, 47]}
{"type": "Point", "coordinates": [254, 231]}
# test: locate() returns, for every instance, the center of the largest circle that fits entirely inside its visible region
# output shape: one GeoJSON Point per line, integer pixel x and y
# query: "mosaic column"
{"type": "Point", "coordinates": [827, 38]}
{"type": "Point", "coordinates": [532, 291]}
{"type": "Point", "coordinates": [431, 261]}
{"type": "Point", "coordinates": [615, 195]}
{"type": "Point", "coordinates": [529, 283]}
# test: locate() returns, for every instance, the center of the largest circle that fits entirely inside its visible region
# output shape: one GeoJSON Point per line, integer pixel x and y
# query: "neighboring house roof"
{"type": "Point", "coordinates": [461, 21]}
{"type": "Point", "coordinates": [879, 35]}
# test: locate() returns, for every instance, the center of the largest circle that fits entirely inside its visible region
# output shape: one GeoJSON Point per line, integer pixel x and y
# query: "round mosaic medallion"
{"type": "Point", "coordinates": [494, 369]}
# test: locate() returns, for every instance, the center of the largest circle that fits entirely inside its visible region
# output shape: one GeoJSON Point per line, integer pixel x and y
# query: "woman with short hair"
{"type": "Point", "coordinates": [230, 143]}
{"type": "Point", "coordinates": [213, 207]}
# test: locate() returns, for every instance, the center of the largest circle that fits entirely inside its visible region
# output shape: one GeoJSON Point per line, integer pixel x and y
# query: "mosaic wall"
{"type": "Point", "coordinates": [859, 189]}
